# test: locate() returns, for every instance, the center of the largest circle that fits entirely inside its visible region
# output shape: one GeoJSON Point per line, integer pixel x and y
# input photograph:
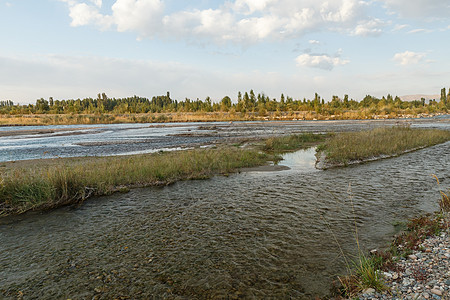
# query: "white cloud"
{"type": "Point", "coordinates": [84, 14]}
{"type": "Point", "coordinates": [320, 61]}
{"type": "Point", "coordinates": [142, 16]}
{"type": "Point", "coordinates": [251, 6]}
{"type": "Point", "coordinates": [240, 21]}
{"type": "Point", "coordinates": [314, 42]}
{"type": "Point", "coordinates": [430, 9]}
{"type": "Point", "coordinates": [399, 27]}
{"type": "Point", "coordinates": [369, 28]}
{"type": "Point", "coordinates": [420, 30]}
{"type": "Point", "coordinates": [408, 57]}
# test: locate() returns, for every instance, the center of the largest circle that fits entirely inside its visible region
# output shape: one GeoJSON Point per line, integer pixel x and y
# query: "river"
{"type": "Point", "coordinates": [41, 142]}
{"type": "Point", "coordinates": [282, 234]}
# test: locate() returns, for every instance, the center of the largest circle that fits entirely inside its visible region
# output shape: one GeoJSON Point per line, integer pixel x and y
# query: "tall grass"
{"type": "Point", "coordinates": [51, 184]}
{"type": "Point", "coordinates": [344, 148]}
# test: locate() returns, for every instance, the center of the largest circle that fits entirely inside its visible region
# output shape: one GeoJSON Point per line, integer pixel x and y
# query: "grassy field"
{"type": "Point", "coordinates": [345, 148]}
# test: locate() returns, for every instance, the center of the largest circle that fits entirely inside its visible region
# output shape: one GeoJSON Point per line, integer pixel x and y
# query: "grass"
{"type": "Point", "coordinates": [293, 142]}
{"type": "Point", "coordinates": [349, 147]}
{"type": "Point", "coordinates": [53, 183]}
{"type": "Point", "coordinates": [365, 274]}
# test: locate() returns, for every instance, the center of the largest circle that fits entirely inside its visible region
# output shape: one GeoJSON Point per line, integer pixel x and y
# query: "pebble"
{"type": "Point", "coordinates": [369, 291]}
{"type": "Point", "coordinates": [424, 274]}
{"type": "Point", "coordinates": [412, 256]}
{"type": "Point", "coordinates": [436, 292]}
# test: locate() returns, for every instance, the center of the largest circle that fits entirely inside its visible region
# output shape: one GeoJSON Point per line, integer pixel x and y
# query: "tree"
{"type": "Point", "coordinates": [443, 96]}
{"type": "Point", "coordinates": [448, 98]}
{"type": "Point", "coordinates": [225, 104]}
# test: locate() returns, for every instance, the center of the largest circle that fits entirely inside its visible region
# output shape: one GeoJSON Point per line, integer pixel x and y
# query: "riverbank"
{"type": "Point", "coordinates": [416, 265]}
{"type": "Point", "coordinates": [78, 119]}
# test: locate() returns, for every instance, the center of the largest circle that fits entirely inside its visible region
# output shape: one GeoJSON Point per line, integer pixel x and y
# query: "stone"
{"type": "Point", "coordinates": [431, 283]}
{"type": "Point", "coordinates": [426, 295]}
{"type": "Point", "coordinates": [412, 256]}
{"type": "Point", "coordinates": [369, 291]}
{"type": "Point", "coordinates": [395, 276]}
{"type": "Point", "coordinates": [436, 292]}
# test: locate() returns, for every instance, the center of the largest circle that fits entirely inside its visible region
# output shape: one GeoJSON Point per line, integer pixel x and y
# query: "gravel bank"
{"type": "Point", "coordinates": [424, 274]}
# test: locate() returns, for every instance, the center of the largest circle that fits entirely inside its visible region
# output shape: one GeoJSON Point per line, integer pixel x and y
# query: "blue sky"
{"type": "Point", "coordinates": [68, 49]}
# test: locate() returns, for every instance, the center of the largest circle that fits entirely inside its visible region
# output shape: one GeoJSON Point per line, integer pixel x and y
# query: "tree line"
{"type": "Point", "coordinates": [247, 102]}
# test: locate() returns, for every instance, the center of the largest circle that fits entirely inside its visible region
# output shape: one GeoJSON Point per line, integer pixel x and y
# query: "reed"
{"type": "Point", "coordinates": [52, 183]}
{"type": "Point", "coordinates": [349, 147]}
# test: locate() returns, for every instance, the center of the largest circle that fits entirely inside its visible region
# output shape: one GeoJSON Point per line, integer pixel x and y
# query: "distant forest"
{"type": "Point", "coordinates": [247, 102]}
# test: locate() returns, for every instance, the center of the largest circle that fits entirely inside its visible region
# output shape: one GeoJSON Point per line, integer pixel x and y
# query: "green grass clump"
{"type": "Point", "coordinates": [292, 142]}
{"type": "Point", "coordinates": [364, 274]}
{"type": "Point", "coordinates": [346, 147]}
{"type": "Point", "coordinates": [68, 181]}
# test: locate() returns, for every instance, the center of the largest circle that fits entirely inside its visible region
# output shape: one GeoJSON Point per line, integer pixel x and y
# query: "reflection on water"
{"type": "Point", "coordinates": [302, 160]}
{"type": "Point", "coordinates": [249, 235]}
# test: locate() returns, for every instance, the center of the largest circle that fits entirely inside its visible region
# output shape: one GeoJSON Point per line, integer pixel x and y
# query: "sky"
{"type": "Point", "coordinates": [69, 49]}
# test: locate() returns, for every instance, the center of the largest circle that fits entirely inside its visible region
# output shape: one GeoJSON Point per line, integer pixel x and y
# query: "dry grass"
{"type": "Point", "coordinates": [114, 118]}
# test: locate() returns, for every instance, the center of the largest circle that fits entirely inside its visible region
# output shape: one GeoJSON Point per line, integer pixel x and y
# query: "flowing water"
{"type": "Point", "coordinates": [250, 235]}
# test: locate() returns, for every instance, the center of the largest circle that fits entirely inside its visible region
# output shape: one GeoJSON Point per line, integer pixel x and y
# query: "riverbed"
{"type": "Point", "coordinates": [43, 142]}
{"type": "Point", "coordinates": [283, 234]}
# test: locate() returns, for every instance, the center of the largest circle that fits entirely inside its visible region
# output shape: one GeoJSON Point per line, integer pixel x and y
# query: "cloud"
{"type": "Point", "coordinates": [408, 57]}
{"type": "Point", "coordinates": [314, 42]}
{"type": "Point", "coordinates": [248, 7]}
{"type": "Point", "coordinates": [369, 28]}
{"type": "Point", "coordinates": [429, 9]}
{"type": "Point", "coordinates": [84, 14]}
{"type": "Point", "coordinates": [420, 30]}
{"type": "Point", "coordinates": [399, 27]}
{"type": "Point", "coordinates": [320, 61]}
{"type": "Point", "coordinates": [238, 21]}
{"type": "Point", "coordinates": [142, 16]}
